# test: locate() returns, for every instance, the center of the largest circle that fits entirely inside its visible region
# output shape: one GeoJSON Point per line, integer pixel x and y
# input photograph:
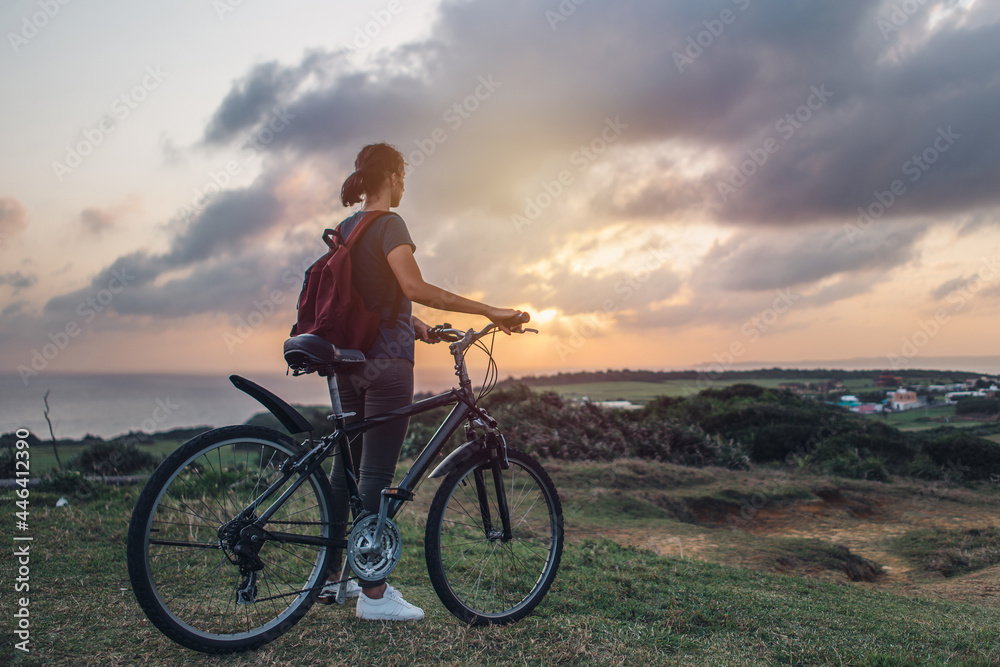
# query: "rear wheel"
{"type": "Point", "coordinates": [480, 575]}
{"type": "Point", "coordinates": [202, 571]}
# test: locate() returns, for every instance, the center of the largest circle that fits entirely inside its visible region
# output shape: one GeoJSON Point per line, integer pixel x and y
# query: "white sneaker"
{"type": "Point", "coordinates": [329, 593]}
{"type": "Point", "coordinates": [391, 607]}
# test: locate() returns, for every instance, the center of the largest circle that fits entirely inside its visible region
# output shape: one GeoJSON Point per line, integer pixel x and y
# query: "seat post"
{"type": "Point", "coordinates": [338, 409]}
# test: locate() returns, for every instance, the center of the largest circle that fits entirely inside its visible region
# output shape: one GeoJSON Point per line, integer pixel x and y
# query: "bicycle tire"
{"type": "Point", "coordinates": [186, 581]}
{"type": "Point", "coordinates": [479, 578]}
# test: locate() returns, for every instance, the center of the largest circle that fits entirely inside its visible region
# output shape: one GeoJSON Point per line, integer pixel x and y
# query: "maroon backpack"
{"type": "Point", "coordinates": [330, 305]}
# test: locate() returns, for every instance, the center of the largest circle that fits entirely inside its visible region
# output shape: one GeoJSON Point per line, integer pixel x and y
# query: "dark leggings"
{"type": "Point", "coordinates": [380, 385]}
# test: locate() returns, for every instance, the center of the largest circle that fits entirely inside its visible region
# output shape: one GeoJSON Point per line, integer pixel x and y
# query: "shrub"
{"type": "Point", "coordinates": [849, 464]}
{"type": "Point", "coordinates": [112, 458]}
{"type": "Point", "coordinates": [545, 424]}
{"type": "Point", "coordinates": [962, 456]}
{"type": "Point", "coordinates": [7, 462]}
{"type": "Point", "coordinates": [973, 405]}
{"type": "Point", "coordinates": [950, 552]}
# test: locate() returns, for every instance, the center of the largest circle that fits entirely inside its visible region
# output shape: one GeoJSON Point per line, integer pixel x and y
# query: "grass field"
{"type": "Point", "coordinates": [612, 604]}
{"type": "Point", "coordinates": [643, 392]}
{"type": "Point", "coordinates": [43, 459]}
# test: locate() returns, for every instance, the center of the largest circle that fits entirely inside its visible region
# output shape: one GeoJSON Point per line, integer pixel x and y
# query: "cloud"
{"type": "Point", "coordinates": [225, 229]}
{"type": "Point", "coordinates": [252, 98]}
{"type": "Point", "coordinates": [769, 260]}
{"type": "Point", "coordinates": [499, 102]}
{"type": "Point", "coordinates": [848, 110]}
{"type": "Point", "coordinates": [949, 286]}
{"type": "Point", "coordinates": [95, 221]}
{"type": "Point", "coordinates": [751, 271]}
{"type": "Point", "coordinates": [13, 309]}
{"type": "Point", "coordinates": [12, 219]}
{"type": "Point", "coordinates": [17, 280]}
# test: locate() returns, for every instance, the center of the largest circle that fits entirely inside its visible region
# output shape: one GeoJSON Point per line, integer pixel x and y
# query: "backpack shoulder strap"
{"type": "Point", "coordinates": [359, 229]}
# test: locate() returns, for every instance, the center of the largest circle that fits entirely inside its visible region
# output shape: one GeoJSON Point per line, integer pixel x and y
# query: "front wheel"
{"type": "Point", "coordinates": [207, 571]}
{"type": "Point", "coordinates": [483, 574]}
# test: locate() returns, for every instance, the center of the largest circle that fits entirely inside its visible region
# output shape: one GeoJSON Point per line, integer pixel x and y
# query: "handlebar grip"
{"type": "Point", "coordinates": [523, 318]}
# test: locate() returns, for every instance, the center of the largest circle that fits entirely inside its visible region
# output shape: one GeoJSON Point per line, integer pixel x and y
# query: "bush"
{"type": "Point", "coordinates": [960, 456]}
{"type": "Point", "coordinates": [7, 462]}
{"type": "Point", "coordinates": [973, 405]}
{"type": "Point", "coordinates": [849, 464]}
{"type": "Point", "coordinates": [74, 486]}
{"type": "Point", "coordinates": [112, 458]}
{"type": "Point", "coordinates": [950, 552]}
{"type": "Point", "coordinates": [545, 424]}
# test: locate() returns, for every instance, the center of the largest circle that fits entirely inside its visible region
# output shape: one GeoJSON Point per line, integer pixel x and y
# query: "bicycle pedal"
{"type": "Point", "coordinates": [401, 494]}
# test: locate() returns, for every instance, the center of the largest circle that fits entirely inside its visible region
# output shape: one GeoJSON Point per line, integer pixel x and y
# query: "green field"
{"type": "Point", "coordinates": [643, 392]}
{"type": "Point", "coordinates": [43, 459]}
{"type": "Point", "coordinates": [612, 604]}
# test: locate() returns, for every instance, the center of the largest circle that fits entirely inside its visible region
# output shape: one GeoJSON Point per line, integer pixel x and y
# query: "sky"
{"type": "Point", "coordinates": [662, 185]}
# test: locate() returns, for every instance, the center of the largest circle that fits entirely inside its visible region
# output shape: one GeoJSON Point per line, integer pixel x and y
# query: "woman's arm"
{"type": "Point", "coordinates": [404, 266]}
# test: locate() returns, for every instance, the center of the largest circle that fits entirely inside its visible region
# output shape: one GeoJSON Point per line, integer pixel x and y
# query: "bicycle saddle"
{"type": "Point", "coordinates": [308, 353]}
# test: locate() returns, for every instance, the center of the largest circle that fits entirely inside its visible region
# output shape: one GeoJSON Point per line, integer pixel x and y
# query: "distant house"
{"type": "Point", "coordinates": [618, 405]}
{"type": "Point", "coordinates": [903, 399]}
{"type": "Point", "coordinates": [887, 379]}
{"type": "Point", "coordinates": [953, 396]}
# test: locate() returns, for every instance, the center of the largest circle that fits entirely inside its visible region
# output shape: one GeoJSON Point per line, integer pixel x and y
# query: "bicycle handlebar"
{"type": "Point", "coordinates": [445, 332]}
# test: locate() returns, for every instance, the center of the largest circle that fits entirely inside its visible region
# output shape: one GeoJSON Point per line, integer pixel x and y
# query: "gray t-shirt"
{"type": "Point", "coordinates": [378, 286]}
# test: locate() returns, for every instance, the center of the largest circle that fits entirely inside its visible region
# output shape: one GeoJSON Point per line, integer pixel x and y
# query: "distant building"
{"type": "Point", "coordinates": [903, 400]}
{"type": "Point", "coordinates": [887, 379]}
{"type": "Point", "coordinates": [953, 396]}
{"type": "Point", "coordinates": [618, 405]}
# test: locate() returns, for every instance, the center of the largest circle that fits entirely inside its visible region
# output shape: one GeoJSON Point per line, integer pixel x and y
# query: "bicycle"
{"type": "Point", "coordinates": [231, 539]}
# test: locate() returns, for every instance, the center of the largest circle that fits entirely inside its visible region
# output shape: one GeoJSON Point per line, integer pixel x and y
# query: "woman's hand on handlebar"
{"type": "Point", "coordinates": [422, 330]}
{"type": "Point", "coordinates": [508, 319]}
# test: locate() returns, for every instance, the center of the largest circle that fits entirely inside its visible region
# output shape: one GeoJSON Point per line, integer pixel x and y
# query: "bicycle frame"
{"type": "Point", "coordinates": [465, 410]}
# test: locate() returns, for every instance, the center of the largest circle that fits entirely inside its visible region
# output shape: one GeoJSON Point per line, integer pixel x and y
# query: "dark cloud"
{"type": "Point", "coordinates": [501, 100]}
{"type": "Point", "coordinates": [754, 261]}
{"type": "Point", "coordinates": [879, 104]}
{"type": "Point", "coordinates": [18, 280]}
{"type": "Point", "coordinates": [949, 286]}
{"type": "Point", "coordinates": [250, 99]}
{"type": "Point", "coordinates": [95, 221]}
{"type": "Point", "coordinates": [226, 228]}
{"type": "Point", "coordinates": [754, 273]}
{"type": "Point", "coordinates": [12, 219]}
{"type": "Point", "coordinates": [13, 309]}
{"type": "Point", "coordinates": [229, 285]}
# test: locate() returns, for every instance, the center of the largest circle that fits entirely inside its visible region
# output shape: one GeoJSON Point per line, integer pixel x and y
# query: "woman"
{"type": "Point", "coordinates": [389, 280]}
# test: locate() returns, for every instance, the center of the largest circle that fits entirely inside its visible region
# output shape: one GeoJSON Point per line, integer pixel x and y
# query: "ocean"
{"type": "Point", "coordinates": [108, 405]}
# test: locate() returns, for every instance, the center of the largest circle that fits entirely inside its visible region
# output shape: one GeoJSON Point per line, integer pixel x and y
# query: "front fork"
{"type": "Point", "coordinates": [497, 447]}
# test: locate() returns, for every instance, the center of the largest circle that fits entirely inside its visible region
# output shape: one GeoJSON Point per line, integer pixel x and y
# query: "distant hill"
{"type": "Point", "coordinates": [790, 374]}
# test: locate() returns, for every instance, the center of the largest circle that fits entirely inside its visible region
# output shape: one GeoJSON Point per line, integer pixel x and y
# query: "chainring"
{"type": "Point", "coordinates": [370, 561]}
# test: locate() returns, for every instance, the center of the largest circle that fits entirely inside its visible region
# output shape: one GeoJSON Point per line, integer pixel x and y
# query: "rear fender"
{"type": "Point", "coordinates": [289, 417]}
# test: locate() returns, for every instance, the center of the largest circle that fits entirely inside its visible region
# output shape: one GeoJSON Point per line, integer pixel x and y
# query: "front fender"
{"type": "Point", "coordinates": [461, 454]}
